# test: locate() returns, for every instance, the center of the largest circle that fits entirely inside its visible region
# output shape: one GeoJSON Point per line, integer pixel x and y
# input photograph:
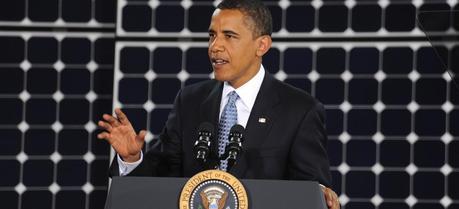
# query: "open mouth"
{"type": "Point", "coordinates": [218, 62]}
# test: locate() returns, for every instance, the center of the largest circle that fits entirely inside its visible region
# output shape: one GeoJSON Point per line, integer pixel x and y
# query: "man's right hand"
{"type": "Point", "coordinates": [118, 131]}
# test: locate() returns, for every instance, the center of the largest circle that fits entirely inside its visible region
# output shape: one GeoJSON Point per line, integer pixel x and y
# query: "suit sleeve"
{"type": "Point", "coordinates": [309, 158]}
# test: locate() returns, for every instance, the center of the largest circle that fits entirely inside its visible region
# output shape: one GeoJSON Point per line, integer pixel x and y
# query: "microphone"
{"type": "Point", "coordinates": [234, 147]}
{"type": "Point", "coordinates": [202, 144]}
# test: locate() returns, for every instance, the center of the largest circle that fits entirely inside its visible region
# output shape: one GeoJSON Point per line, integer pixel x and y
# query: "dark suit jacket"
{"type": "Point", "coordinates": [290, 145]}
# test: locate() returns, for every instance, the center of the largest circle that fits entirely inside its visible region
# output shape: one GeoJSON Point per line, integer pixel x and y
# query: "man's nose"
{"type": "Point", "coordinates": [216, 45]}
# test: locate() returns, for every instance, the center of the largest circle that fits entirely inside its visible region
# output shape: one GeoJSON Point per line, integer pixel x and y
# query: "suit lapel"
{"type": "Point", "coordinates": [261, 119]}
{"type": "Point", "coordinates": [209, 112]}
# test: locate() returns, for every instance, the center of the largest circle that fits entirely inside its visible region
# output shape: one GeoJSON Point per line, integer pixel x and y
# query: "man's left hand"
{"type": "Point", "coordinates": [331, 198]}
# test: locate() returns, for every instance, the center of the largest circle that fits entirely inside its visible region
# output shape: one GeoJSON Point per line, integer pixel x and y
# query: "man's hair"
{"type": "Point", "coordinates": [256, 11]}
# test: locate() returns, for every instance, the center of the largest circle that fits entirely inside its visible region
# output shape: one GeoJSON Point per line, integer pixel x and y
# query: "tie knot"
{"type": "Point", "coordinates": [232, 97]}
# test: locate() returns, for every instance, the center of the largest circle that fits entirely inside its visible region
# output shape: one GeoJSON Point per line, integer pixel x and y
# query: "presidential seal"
{"type": "Point", "coordinates": [213, 189]}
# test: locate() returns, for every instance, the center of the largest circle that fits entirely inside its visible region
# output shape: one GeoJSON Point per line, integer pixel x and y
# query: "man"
{"type": "Point", "coordinates": [284, 127]}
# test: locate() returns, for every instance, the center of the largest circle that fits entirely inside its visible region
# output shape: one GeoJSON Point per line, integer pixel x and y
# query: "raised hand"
{"type": "Point", "coordinates": [118, 131]}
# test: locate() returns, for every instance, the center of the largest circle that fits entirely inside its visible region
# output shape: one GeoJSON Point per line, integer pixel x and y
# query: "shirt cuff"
{"type": "Point", "coordinates": [126, 167]}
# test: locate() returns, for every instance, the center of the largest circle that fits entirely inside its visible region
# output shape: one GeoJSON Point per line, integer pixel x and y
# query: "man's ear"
{"type": "Point", "coordinates": [264, 44]}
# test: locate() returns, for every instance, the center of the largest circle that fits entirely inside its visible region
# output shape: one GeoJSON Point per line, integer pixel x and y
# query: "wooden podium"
{"type": "Point", "coordinates": [164, 193]}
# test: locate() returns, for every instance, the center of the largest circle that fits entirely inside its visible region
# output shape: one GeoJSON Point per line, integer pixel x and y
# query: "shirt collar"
{"type": "Point", "coordinates": [248, 91]}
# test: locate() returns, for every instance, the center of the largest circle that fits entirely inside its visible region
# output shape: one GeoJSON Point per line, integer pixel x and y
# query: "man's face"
{"type": "Point", "coordinates": [234, 52]}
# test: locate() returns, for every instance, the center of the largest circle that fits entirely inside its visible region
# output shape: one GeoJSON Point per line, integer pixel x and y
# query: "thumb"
{"type": "Point", "coordinates": [141, 136]}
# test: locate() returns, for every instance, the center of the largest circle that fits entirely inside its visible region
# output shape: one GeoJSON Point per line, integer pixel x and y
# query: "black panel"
{"type": "Point", "coordinates": [160, 115]}
{"type": "Point", "coordinates": [75, 81]}
{"type": "Point", "coordinates": [133, 90]}
{"type": "Point", "coordinates": [391, 205]}
{"type": "Point", "coordinates": [159, 96]}
{"type": "Point", "coordinates": [276, 13]}
{"type": "Point", "coordinates": [167, 60]}
{"type": "Point", "coordinates": [398, 60]}
{"type": "Point", "coordinates": [134, 60]}
{"type": "Point", "coordinates": [337, 182]}
{"type": "Point", "coordinates": [430, 122]}
{"type": "Point", "coordinates": [73, 142]}
{"type": "Point", "coordinates": [271, 60]}
{"type": "Point", "coordinates": [11, 80]}
{"type": "Point", "coordinates": [453, 154]}
{"type": "Point", "coordinates": [428, 206]}
{"type": "Point", "coordinates": [331, 60]}
{"type": "Point", "coordinates": [333, 18]}
{"type": "Point", "coordinates": [364, 60]}
{"type": "Point", "coordinates": [71, 199]}
{"type": "Point", "coordinates": [430, 91]}
{"type": "Point", "coordinates": [453, 179]}
{"type": "Point", "coordinates": [362, 122]}
{"type": "Point", "coordinates": [394, 184]}
{"type": "Point", "coordinates": [42, 50]}
{"type": "Point", "coordinates": [37, 200]}
{"type": "Point", "coordinates": [361, 153]}
{"type": "Point", "coordinates": [41, 81]}
{"type": "Point", "coordinates": [431, 60]}
{"type": "Point", "coordinates": [39, 142]}
{"type": "Point", "coordinates": [76, 10]}
{"type": "Point", "coordinates": [396, 91]}
{"type": "Point", "coordinates": [43, 11]}
{"type": "Point", "coordinates": [363, 91]}
{"type": "Point", "coordinates": [100, 107]}
{"type": "Point", "coordinates": [366, 18]}
{"type": "Point", "coordinates": [76, 50]}
{"type": "Point", "coordinates": [131, 16]}
{"type": "Point", "coordinates": [74, 111]}
{"type": "Point", "coordinates": [105, 11]}
{"type": "Point", "coordinates": [138, 118]}
{"type": "Point", "coordinates": [429, 154]}
{"type": "Point", "coordinates": [360, 205]}
{"type": "Point", "coordinates": [11, 173]}
{"type": "Point", "coordinates": [97, 199]}
{"type": "Point", "coordinates": [300, 18]}
{"type": "Point", "coordinates": [71, 172]}
{"type": "Point", "coordinates": [400, 17]}
{"type": "Point", "coordinates": [363, 184]}
{"type": "Point", "coordinates": [98, 146]}
{"type": "Point", "coordinates": [41, 111]}
{"type": "Point", "coordinates": [12, 11]}
{"type": "Point", "coordinates": [11, 141]}
{"type": "Point", "coordinates": [11, 111]}
{"type": "Point", "coordinates": [428, 185]}
{"type": "Point", "coordinates": [103, 81]}
{"type": "Point", "coordinates": [435, 17]}
{"type": "Point", "coordinates": [99, 172]}
{"type": "Point", "coordinates": [197, 61]}
{"type": "Point", "coordinates": [330, 91]}
{"type": "Point", "coordinates": [104, 51]}
{"type": "Point", "coordinates": [12, 49]}
{"type": "Point", "coordinates": [396, 122]}
{"type": "Point", "coordinates": [38, 173]}
{"type": "Point", "coordinates": [10, 199]}
{"type": "Point", "coordinates": [169, 18]}
{"type": "Point", "coordinates": [334, 121]}
{"type": "Point", "coordinates": [298, 60]}
{"type": "Point", "coordinates": [335, 152]}
{"type": "Point", "coordinates": [199, 18]}
{"type": "Point", "coordinates": [401, 147]}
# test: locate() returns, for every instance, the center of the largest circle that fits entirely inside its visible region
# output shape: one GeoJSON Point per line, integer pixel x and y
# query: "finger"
{"type": "Point", "coordinates": [122, 117]}
{"type": "Point", "coordinates": [104, 135]}
{"type": "Point", "coordinates": [112, 120]}
{"type": "Point", "coordinates": [105, 126]}
{"type": "Point", "coordinates": [329, 195]}
{"type": "Point", "coordinates": [141, 135]}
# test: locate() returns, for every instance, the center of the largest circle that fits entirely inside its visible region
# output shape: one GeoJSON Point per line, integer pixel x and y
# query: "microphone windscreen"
{"type": "Point", "coordinates": [237, 129]}
{"type": "Point", "coordinates": [207, 127]}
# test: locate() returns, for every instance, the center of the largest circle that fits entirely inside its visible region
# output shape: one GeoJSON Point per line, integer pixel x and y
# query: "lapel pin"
{"type": "Point", "coordinates": [262, 120]}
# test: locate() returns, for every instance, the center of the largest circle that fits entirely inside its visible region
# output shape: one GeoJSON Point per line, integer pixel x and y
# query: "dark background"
{"type": "Point", "coordinates": [392, 110]}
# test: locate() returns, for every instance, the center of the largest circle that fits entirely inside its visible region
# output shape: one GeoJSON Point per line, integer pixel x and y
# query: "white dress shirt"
{"type": "Point", "coordinates": [247, 95]}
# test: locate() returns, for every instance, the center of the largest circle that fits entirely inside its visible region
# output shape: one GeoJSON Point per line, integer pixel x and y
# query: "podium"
{"type": "Point", "coordinates": [164, 193]}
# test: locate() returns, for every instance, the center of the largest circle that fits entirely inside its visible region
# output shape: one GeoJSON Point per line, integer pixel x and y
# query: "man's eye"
{"type": "Point", "coordinates": [229, 36]}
